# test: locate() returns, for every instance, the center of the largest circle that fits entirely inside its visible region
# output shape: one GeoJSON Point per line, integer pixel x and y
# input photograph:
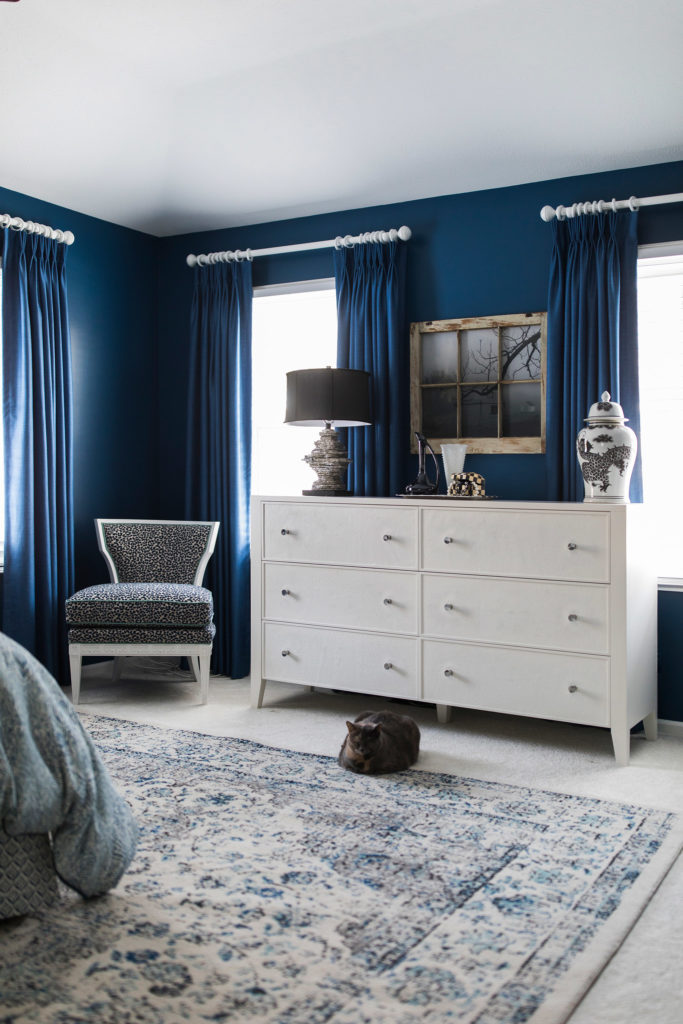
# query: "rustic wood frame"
{"type": "Point", "coordinates": [477, 445]}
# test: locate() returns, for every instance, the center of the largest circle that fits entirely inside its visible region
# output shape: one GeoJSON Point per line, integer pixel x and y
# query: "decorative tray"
{"type": "Point", "coordinates": [451, 497]}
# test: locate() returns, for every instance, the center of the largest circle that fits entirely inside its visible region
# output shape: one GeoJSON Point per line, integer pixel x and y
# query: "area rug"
{"type": "Point", "coordinates": [273, 886]}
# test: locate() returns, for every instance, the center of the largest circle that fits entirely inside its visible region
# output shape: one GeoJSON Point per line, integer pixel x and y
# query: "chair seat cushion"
{"type": "Point", "coordinates": [141, 635]}
{"type": "Point", "coordinates": [163, 605]}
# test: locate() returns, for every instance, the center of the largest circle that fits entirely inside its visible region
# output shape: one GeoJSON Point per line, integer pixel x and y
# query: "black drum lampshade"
{"type": "Point", "coordinates": [324, 397]}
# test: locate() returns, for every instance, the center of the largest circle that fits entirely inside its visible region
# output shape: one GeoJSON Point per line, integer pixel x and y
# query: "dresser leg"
{"type": "Point", "coordinates": [443, 713]}
{"type": "Point", "coordinates": [621, 741]}
{"type": "Point", "coordinates": [258, 688]}
{"type": "Point", "coordinates": [650, 726]}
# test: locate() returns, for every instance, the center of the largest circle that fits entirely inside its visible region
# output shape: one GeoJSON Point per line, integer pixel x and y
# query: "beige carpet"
{"type": "Point", "coordinates": [642, 982]}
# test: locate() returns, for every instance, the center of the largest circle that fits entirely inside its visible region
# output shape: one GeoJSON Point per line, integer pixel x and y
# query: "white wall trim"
{"type": "Point", "coordinates": [669, 728]}
{"type": "Point", "coordinates": [669, 583]}
{"type": "Point", "coordinates": [319, 284]}
{"type": "Point", "coordinates": [657, 250]}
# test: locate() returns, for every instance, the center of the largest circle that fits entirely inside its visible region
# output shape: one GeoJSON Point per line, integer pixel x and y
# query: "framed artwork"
{"type": "Point", "coordinates": [480, 381]}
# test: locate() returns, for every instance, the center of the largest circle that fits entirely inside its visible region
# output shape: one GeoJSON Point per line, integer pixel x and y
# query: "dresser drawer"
{"type": "Point", "coordinates": [565, 687]}
{"type": "Point", "coordinates": [531, 613]}
{"type": "Point", "coordinates": [372, 599]}
{"type": "Point", "coordinates": [366, 535]}
{"type": "Point", "coordinates": [334, 659]}
{"type": "Point", "coordinates": [541, 545]}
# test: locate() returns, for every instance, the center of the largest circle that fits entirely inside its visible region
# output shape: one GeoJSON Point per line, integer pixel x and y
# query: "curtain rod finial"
{"type": "Point", "coordinates": [547, 213]}
{"type": "Point", "coordinates": [404, 233]}
{"type": "Point", "coordinates": [191, 260]}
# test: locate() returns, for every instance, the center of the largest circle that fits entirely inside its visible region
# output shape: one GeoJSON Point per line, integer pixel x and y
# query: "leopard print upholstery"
{"type": "Point", "coordinates": [150, 552]}
{"type": "Point", "coordinates": [140, 604]}
{"type": "Point", "coordinates": [141, 635]}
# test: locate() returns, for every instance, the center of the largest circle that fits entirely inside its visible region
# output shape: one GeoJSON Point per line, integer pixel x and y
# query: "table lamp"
{"type": "Point", "coordinates": [321, 398]}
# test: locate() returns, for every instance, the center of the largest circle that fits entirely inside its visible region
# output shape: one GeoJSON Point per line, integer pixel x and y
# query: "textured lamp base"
{"type": "Point", "coordinates": [329, 460]}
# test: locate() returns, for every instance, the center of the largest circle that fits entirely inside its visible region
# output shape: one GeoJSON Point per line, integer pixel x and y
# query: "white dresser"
{"type": "Point", "coordinates": [541, 609]}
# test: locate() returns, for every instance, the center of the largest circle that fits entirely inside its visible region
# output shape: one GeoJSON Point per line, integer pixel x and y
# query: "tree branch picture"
{"type": "Point", "coordinates": [480, 380]}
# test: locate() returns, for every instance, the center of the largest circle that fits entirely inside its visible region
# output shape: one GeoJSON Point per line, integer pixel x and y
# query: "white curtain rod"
{"type": "Point", "coordinates": [17, 224]}
{"type": "Point", "coordinates": [237, 255]}
{"type": "Point", "coordinates": [600, 206]}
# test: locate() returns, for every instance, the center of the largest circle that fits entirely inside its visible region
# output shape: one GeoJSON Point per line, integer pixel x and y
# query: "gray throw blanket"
{"type": "Point", "coordinates": [53, 780]}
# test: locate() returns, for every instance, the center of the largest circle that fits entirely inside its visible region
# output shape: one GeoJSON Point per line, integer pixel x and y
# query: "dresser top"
{"type": "Point", "coordinates": [443, 501]}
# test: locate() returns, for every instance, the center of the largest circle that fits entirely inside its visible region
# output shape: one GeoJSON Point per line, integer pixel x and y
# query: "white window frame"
{"type": "Point", "coordinates": [664, 251]}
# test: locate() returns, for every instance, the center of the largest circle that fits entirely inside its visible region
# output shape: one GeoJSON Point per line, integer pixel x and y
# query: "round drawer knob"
{"type": "Point", "coordinates": [388, 665]}
{"type": "Point", "coordinates": [284, 532]}
{"type": "Point", "coordinates": [448, 607]}
{"type": "Point", "coordinates": [387, 600]}
{"type": "Point", "coordinates": [387, 536]}
{"type": "Point", "coordinates": [572, 617]}
{"type": "Point", "coordinates": [448, 540]}
{"type": "Point", "coordinates": [284, 653]}
{"type": "Point", "coordinates": [448, 672]}
{"type": "Point", "coordinates": [571, 545]}
{"type": "Point", "coordinates": [285, 593]}
{"type": "Point", "coordinates": [572, 688]}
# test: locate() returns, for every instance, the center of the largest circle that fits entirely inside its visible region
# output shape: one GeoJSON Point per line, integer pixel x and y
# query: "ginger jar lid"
{"type": "Point", "coordinates": [605, 411]}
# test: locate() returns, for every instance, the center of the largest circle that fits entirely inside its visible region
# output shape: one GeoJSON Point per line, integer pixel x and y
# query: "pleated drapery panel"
{"type": "Point", "coordinates": [218, 477]}
{"type": "Point", "coordinates": [592, 337]}
{"type": "Point", "coordinates": [370, 283]}
{"type": "Point", "coordinates": [38, 445]}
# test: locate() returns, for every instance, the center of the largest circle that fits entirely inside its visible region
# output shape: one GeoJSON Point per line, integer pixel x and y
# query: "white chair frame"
{"type": "Point", "coordinates": [199, 655]}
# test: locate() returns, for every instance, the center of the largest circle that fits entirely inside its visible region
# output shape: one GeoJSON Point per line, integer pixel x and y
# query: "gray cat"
{"type": "Point", "coordinates": [379, 742]}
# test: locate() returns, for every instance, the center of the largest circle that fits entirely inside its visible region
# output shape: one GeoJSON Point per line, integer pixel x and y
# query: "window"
{"type": "Point", "coordinates": [294, 327]}
{"type": "Point", "coordinates": [660, 349]}
{"type": "Point", "coordinates": [480, 381]}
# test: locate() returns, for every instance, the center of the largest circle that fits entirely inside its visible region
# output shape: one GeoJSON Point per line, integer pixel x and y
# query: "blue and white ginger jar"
{"type": "Point", "coordinates": [606, 449]}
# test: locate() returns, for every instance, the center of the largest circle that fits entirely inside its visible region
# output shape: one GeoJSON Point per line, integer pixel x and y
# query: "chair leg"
{"type": "Point", "coordinates": [75, 665]}
{"type": "Point", "coordinates": [204, 661]}
{"type": "Point", "coordinates": [194, 662]}
{"type": "Point", "coordinates": [116, 670]}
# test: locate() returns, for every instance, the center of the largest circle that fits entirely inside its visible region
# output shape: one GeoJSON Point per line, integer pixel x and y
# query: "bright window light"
{"type": "Point", "coordinates": [660, 347]}
{"type": "Point", "coordinates": [294, 329]}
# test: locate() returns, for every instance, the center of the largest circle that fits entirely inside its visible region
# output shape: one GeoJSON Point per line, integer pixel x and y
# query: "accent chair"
{"type": "Point", "coordinates": [154, 605]}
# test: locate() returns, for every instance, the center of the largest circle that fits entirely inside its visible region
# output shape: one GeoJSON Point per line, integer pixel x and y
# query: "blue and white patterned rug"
{"type": "Point", "coordinates": [273, 886]}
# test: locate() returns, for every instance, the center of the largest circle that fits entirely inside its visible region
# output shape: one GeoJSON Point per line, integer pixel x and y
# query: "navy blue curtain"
{"type": "Point", "coordinates": [218, 478]}
{"type": "Point", "coordinates": [37, 423]}
{"type": "Point", "coordinates": [592, 337]}
{"type": "Point", "coordinates": [371, 336]}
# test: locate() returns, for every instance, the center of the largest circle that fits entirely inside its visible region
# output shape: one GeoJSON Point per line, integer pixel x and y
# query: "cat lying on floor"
{"type": "Point", "coordinates": [378, 742]}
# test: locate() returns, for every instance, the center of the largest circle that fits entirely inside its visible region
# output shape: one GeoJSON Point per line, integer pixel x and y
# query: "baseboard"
{"type": "Point", "coordinates": [669, 728]}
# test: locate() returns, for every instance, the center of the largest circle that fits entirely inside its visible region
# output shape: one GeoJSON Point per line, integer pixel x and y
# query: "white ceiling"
{"type": "Point", "coordinates": [180, 115]}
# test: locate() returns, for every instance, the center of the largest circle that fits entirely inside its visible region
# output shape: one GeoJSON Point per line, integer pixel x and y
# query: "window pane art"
{"type": "Point", "coordinates": [440, 358]}
{"type": "Point", "coordinates": [480, 381]}
{"type": "Point", "coordinates": [440, 412]}
{"type": "Point", "coordinates": [479, 411]}
{"type": "Point", "coordinates": [521, 409]}
{"type": "Point", "coordinates": [521, 352]}
{"type": "Point", "coordinates": [479, 354]}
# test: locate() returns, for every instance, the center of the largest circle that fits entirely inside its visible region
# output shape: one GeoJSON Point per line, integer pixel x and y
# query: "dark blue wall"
{"type": "Point", "coordinates": [112, 281]}
{"type": "Point", "coordinates": [472, 254]}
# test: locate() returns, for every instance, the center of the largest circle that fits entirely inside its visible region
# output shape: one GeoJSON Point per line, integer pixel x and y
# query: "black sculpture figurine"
{"type": "Point", "coordinates": [422, 484]}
